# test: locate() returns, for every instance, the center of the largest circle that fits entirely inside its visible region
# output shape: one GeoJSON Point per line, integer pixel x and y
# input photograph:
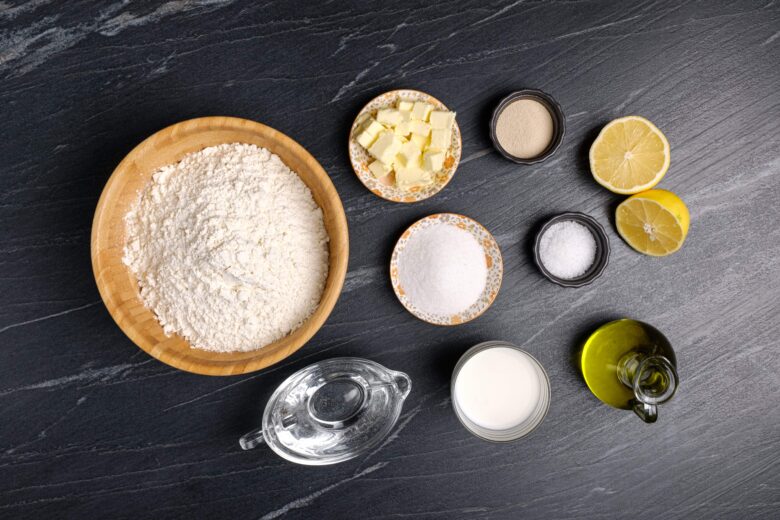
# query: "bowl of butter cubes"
{"type": "Point", "coordinates": [405, 145]}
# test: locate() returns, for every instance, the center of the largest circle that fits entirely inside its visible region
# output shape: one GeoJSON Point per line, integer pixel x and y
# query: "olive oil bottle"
{"type": "Point", "coordinates": [630, 365]}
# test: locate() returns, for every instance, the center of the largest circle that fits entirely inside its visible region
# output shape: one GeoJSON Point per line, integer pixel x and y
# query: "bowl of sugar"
{"type": "Point", "coordinates": [500, 392]}
{"type": "Point", "coordinates": [446, 269]}
{"type": "Point", "coordinates": [571, 249]}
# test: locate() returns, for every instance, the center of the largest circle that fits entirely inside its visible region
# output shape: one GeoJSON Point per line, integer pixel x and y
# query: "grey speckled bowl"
{"type": "Point", "coordinates": [559, 123]}
{"type": "Point", "coordinates": [602, 249]}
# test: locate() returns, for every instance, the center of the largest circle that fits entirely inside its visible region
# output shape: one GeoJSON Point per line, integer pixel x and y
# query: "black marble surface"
{"type": "Point", "coordinates": [91, 427]}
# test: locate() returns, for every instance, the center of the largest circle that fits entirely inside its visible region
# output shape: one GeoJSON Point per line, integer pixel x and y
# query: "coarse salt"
{"type": "Point", "coordinates": [567, 249]}
{"type": "Point", "coordinates": [442, 269]}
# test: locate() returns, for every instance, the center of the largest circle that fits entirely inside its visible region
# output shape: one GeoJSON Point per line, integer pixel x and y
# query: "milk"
{"type": "Point", "coordinates": [498, 388]}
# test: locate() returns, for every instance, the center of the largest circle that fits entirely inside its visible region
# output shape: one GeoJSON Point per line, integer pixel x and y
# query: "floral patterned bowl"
{"type": "Point", "coordinates": [495, 267]}
{"type": "Point", "coordinates": [385, 187]}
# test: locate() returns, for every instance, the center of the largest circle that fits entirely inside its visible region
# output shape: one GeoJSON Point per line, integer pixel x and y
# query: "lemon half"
{"type": "Point", "coordinates": [654, 222]}
{"type": "Point", "coordinates": [629, 155]}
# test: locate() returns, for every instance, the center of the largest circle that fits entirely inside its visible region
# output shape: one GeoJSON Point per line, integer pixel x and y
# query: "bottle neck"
{"type": "Point", "coordinates": [653, 378]}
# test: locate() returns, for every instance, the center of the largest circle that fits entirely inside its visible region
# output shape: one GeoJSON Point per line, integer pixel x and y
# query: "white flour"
{"type": "Point", "coordinates": [229, 248]}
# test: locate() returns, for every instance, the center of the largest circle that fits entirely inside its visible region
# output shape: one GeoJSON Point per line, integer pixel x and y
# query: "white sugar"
{"type": "Point", "coordinates": [567, 249]}
{"type": "Point", "coordinates": [442, 269]}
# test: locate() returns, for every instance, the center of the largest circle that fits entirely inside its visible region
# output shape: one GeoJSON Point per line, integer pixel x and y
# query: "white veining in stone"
{"type": "Point", "coordinates": [89, 375]}
{"type": "Point", "coordinates": [48, 316]}
{"type": "Point", "coordinates": [308, 499]}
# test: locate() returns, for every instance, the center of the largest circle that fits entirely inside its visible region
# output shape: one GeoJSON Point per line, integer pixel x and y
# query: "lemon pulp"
{"type": "Point", "coordinates": [629, 155]}
{"type": "Point", "coordinates": [654, 222]}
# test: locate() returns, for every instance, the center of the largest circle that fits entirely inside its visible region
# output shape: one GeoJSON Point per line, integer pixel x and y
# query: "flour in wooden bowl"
{"type": "Point", "coordinates": [229, 248]}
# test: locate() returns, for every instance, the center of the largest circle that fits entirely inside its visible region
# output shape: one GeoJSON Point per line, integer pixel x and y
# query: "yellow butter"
{"type": "Point", "coordinates": [412, 176]}
{"type": "Point", "coordinates": [433, 161]}
{"type": "Point", "coordinates": [385, 147]}
{"type": "Point", "coordinates": [420, 128]}
{"type": "Point", "coordinates": [378, 169]}
{"type": "Point", "coordinates": [421, 110]}
{"type": "Point", "coordinates": [410, 154]}
{"type": "Point", "coordinates": [372, 126]}
{"type": "Point", "coordinates": [388, 116]}
{"type": "Point", "coordinates": [402, 129]}
{"type": "Point", "coordinates": [442, 119]}
{"type": "Point", "coordinates": [368, 129]}
{"type": "Point", "coordinates": [421, 141]}
{"type": "Point", "coordinates": [365, 138]}
{"type": "Point", "coordinates": [440, 139]}
{"type": "Point", "coordinates": [405, 106]}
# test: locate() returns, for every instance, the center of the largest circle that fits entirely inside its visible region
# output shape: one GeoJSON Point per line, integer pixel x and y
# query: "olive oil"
{"type": "Point", "coordinates": [622, 340]}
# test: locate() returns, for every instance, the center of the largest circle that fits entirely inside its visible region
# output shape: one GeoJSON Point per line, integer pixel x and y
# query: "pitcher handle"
{"type": "Point", "coordinates": [403, 382]}
{"type": "Point", "coordinates": [646, 412]}
{"type": "Point", "coordinates": [252, 439]}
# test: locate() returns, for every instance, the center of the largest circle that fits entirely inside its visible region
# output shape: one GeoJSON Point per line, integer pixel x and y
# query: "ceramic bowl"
{"type": "Point", "coordinates": [493, 258]}
{"type": "Point", "coordinates": [602, 249]}
{"type": "Point", "coordinates": [119, 287]}
{"type": "Point", "coordinates": [559, 124]}
{"type": "Point", "coordinates": [385, 187]}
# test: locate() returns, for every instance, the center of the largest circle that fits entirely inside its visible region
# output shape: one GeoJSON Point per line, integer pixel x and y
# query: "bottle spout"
{"type": "Point", "coordinates": [655, 381]}
{"type": "Point", "coordinates": [252, 439]}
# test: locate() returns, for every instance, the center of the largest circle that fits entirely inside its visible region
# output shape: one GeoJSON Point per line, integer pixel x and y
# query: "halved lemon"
{"type": "Point", "coordinates": [654, 222]}
{"type": "Point", "coordinates": [629, 155]}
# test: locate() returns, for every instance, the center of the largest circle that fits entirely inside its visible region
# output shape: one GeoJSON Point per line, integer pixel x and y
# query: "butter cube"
{"type": "Point", "coordinates": [385, 147]}
{"type": "Point", "coordinates": [365, 139]}
{"type": "Point", "coordinates": [442, 119]}
{"type": "Point", "coordinates": [372, 126]}
{"type": "Point", "coordinates": [420, 128]}
{"type": "Point", "coordinates": [440, 139]}
{"type": "Point", "coordinates": [379, 169]}
{"type": "Point", "coordinates": [367, 132]}
{"type": "Point", "coordinates": [433, 161]}
{"type": "Point", "coordinates": [405, 106]}
{"type": "Point", "coordinates": [403, 129]}
{"type": "Point", "coordinates": [388, 116]}
{"type": "Point", "coordinates": [421, 110]}
{"type": "Point", "coordinates": [410, 154]}
{"type": "Point", "coordinates": [362, 119]}
{"type": "Point", "coordinates": [406, 115]}
{"type": "Point", "coordinates": [412, 176]}
{"type": "Point", "coordinates": [420, 140]}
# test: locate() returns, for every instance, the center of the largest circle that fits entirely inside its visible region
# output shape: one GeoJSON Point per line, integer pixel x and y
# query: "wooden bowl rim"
{"type": "Point", "coordinates": [230, 363]}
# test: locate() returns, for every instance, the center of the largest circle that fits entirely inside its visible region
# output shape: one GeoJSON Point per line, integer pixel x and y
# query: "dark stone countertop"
{"type": "Point", "coordinates": [92, 427]}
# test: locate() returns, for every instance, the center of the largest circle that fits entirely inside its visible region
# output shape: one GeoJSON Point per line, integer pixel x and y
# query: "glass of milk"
{"type": "Point", "coordinates": [499, 391]}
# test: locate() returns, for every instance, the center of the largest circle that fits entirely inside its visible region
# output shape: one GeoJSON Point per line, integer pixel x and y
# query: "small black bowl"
{"type": "Point", "coordinates": [559, 123]}
{"type": "Point", "coordinates": [602, 249]}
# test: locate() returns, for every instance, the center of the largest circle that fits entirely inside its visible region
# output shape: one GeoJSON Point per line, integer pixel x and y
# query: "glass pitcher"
{"type": "Point", "coordinates": [630, 365]}
{"type": "Point", "coordinates": [331, 411]}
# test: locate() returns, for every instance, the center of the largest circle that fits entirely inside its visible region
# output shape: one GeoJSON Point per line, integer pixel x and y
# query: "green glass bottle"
{"type": "Point", "coordinates": [630, 365]}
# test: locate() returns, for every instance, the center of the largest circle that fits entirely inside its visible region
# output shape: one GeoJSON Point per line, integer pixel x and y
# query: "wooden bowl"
{"type": "Point", "coordinates": [119, 287]}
